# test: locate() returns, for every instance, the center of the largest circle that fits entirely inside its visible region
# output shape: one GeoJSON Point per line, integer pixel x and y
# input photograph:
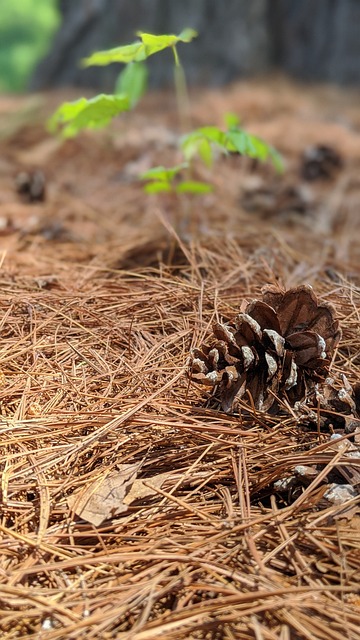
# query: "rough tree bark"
{"type": "Point", "coordinates": [311, 39]}
{"type": "Point", "coordinates": [322, 39]}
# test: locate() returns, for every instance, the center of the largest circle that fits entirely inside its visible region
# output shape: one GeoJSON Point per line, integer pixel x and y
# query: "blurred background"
{"type": "Point", "coordinates": [42, 41]}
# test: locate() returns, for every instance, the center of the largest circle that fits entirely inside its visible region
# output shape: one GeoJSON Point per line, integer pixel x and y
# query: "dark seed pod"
{"type": "Point", "coordinates": [31, 185]}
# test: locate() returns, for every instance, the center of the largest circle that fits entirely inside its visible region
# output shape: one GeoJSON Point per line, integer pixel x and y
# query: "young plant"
{"type": "Point", "coordinates": [159, 179]}
{"type": "Point", "coordinates": [72, 117]}
{"type": "Point", "coordinates": [205, 142]}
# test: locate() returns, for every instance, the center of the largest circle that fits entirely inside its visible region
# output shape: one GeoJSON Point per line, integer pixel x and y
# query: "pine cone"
{"type": "Point", "coordinates": [277, 349]}
{"type": "Point", "coordinates": [319, 162]}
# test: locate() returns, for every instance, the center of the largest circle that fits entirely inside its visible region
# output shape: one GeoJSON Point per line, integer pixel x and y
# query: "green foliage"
{"type": "Point", "coordinates": [206, 140]}
{"type": "Point", "coordinates": [134, 52]}
{"type": "Point", "coordinates": [71, 117]}
{"type": "Point", "coordinates": [194, 186]}
{"type": "Point", "coordinates": [231, 120]}
{"type": "Point", "coordinates": [139, 50]}
{"type": "Point", "coordinates": [26, 29]}
{"type": "Point", "coordinates": [132, 81]}
{"type": "Point", "coordinates": [160, 179]}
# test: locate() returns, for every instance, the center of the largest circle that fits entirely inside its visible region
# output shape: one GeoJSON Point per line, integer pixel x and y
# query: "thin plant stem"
{"type": "Point", "coordinates": [182, 95]}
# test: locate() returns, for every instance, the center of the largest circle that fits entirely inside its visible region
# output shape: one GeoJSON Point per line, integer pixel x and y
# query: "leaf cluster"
{"type": "Point", "coordinates": [205, 141]}
{"type": "Point", "coordinates": [71, 117]}
{"type": "Point", "coordinates": [140, 50]}
{"type": "Point", "coordinates": [160, 179]}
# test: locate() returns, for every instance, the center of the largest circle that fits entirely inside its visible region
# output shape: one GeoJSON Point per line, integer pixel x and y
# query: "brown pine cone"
{"type": "Point", "coordinates": [31, 185]}
{"type": "Point", "coordinates": [321, 161]}
{"type": "Point", "coordinates": [278, 349]}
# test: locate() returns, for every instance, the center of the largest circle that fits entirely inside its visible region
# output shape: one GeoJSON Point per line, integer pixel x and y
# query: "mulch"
{"type": "Point", "coordinates": [104, 291]}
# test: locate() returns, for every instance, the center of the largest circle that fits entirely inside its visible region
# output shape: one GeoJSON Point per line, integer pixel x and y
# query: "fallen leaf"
{"type": "Point", "coordinates": [140, 490]}
{"type": "Point", "coordinates": [104, 498]}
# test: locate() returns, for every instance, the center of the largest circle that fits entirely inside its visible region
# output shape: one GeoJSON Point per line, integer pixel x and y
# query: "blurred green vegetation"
{"type": "Point", "coordinates": [26, 30]}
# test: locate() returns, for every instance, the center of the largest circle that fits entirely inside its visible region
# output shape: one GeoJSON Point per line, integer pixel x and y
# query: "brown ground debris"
{"type": "Point", "coordinates": [104, 291]}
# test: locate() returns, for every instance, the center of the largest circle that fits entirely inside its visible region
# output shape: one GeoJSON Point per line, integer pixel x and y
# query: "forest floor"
{"type": "Point", "coordinates": [129, 507]}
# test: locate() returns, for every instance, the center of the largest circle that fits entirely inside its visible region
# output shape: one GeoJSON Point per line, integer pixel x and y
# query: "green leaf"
{"type": "Point", "coordinates": [193, 186]}
{"type": "Point", "coordinates": [257, 148]}
{"type": "Point", "coordinates": [237, 141]}
{"type": "Point", "coordinates": [247, 144]}
{"type": "Point", "coordinates": [231, 120]}
{"type": "Point", "coordinates": [201, 142]}
{"type": "Point", "coordinates": [95, 113]}
{"type": "Point", "coordinates": [134, 52]}
{"type": "Point", "coordinates": [154, 43]}
{"type": "Point", "coordinates": [162, 174]}
{"type": "Point", "coordinates": [253, 147]}
{"type": "Point", "coordinates": [187, 35]}
{"type": "Point", "coordinates": [213, 134]}
{"type": "Point", "coordinates": [157, 187]}
{"type": "Point", "coordinates": [132, 81]}
{"type": "Point", "coordinates": [139, 50]}
{"type": "Point", "coordinates": [205, 152]}
{"type": "Point", "coordinates": [189, 145]}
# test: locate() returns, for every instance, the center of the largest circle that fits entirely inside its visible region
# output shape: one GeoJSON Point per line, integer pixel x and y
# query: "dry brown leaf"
{"type": "Point", "coordinates": [104, 498]}
{"type": "Point", "coordinates": [141, 490]}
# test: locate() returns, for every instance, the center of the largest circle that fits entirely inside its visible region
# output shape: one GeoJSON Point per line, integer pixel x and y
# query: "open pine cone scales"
{"type": "Point", "coordinates": [277, 349]}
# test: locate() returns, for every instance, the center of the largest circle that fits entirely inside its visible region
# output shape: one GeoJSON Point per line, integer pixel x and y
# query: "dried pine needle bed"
{"type": "Point", "coordinates": [93, 380]}
{"type": "Point", "coordinates": [131, 506]}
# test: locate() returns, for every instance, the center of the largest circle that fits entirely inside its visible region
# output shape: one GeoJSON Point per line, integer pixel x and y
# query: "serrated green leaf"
{"type": "Point", "coordinates": [72, 117]}
{"type": "Point", "coordinates": [134, 52]}
{"type": "Point", "coordinates": [157, 187]}
{"type": "Point", "coordinates": [132, 81]}
{"type": "Point", "coordinates": [193, 186]}
{"type": "Point", "coordinates": [162, 174]}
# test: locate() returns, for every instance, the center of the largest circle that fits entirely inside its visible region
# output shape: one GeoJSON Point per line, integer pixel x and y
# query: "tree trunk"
{"type": "Point", "coordinates": [312, 39]}
{"type": "Point", "coordinates": [322, 39]}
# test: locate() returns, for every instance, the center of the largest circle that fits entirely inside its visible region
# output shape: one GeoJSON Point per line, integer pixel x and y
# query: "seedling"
{"type": "Point", "coordinates": [205, 143]}
{"type": "Point", "coordinates": [97, 112]}
{"type": "Point", "coordinates": [160, 179]}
